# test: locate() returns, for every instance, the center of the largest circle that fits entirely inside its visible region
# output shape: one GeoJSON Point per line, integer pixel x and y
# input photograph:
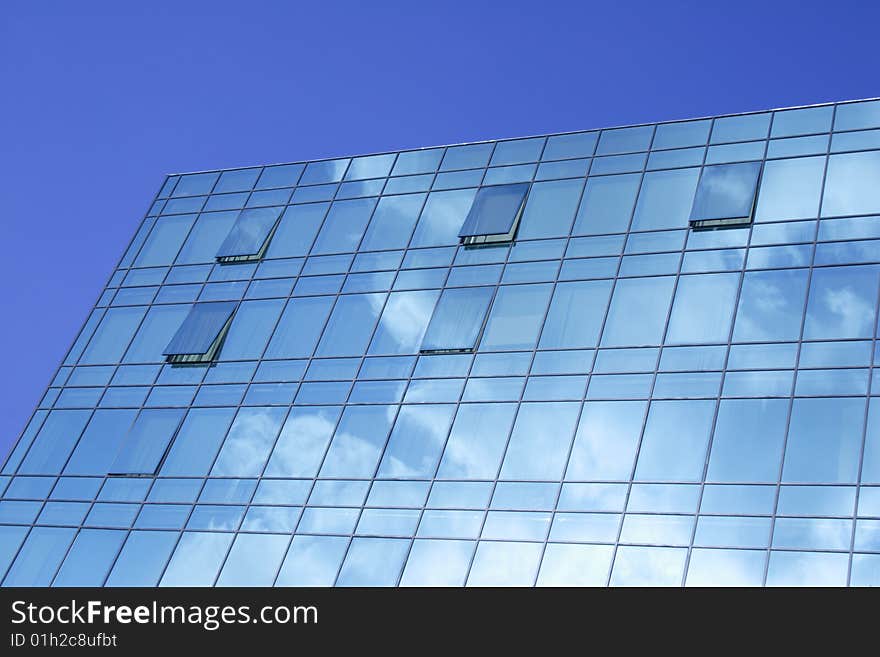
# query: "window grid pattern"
{"type": "Point", "coordinates": [572, 518]}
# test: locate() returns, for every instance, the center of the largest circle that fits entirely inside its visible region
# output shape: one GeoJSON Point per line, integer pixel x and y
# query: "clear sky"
{"type": "Point", "coordinates": [98, 100]}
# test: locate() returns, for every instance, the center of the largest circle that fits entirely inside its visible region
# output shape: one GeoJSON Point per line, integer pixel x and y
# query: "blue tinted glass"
{"type": "Point", "coordinates": [842, 303]}
{"type": "Point", "coordinates": [146, 441]}
{"type": "Point", "coordinates": [802, 121]}
{"type": "Point", "coordinates": [164, 241]}
{"type": "Point", "coordinates": [250, 329]}
{"type": "Point", "coordinates": [823, 440]}
{"type": "Point", "coordinates": [771, 305]}
{"type": "Point", "coordinates": [550, 209]}
{"type": "Point", "coordinates": [54, 441]}
{"type": "Point", "coordinates": [680, 135]}
{"type": "Point", "coordinates": [344, 226]}
{"type": "Point", "coordinates": [249, 235]}
{"type": "Point", "coordinates": [850, 184]}
{"type": "Point", "coordinates": [403, 322]}
{"type": "Point", "coordinates": [393, 222]}
{"type": "Point", "coordinates": [538, 449]}
{"type": "Point", "coordinates": [253, 560]}
{"type": "Point", "coordinates": [494, 210]}
{"type": "Point", "coordinates": [299, 328]}
{"type": "Point", "coordinates": [665, 199]}
{"type": "Point", "coordinates": [646, 299]}
{"type": "Point", "coordinates": [197, 442]}
{"type": "Point", "coordinates": [196, 559]}
{"type": "Point", "coordinates": [411, 162]}
{"type": "Point", "coordinates": [283, 175]}
{"type": "Point", "coordinates": [142, 559]}
{"type": "Point", "coordinates": [442, 217]}
{"type": "Point", "coordinates": [675, 441]}
{"type": "Point", "coordinates": [99, 443]}
{"type": "Point", "coordinates": [703, 308]}
{"type": "Point", "coordinates": [416, 442]}
{"type": "Point", "coordinates": [112, 336]}
{"type": "Point", "coordinates": [89, 558]}
{"type": "Point", "coordinates": [206, 236]}
{"type": "Point", "coordinates": [373, 562]}
{"type": "Point", "coordinates": [200, 328]}
{"type": "Point", "coordinates": [747, 445]}
{"type": "Point", "coordinates": [515, 152]}
{"type": "Point", "coordinates": [457, 319]}
{"type": "Point", "coordinates": [515, 319]}
{"type": "Point", "coordinates": [579, 144]}
{"type": "Point", "coordinates": [740, 128]}
{"type": "Point", "coordinates": [249, 441]}
{"type": "Point", "coordinates": [726, 191]}
{"type": "Point", "coordinates": [857, 116]}
{"type": "Point", "coordinates": [607, 205]}
{"type": "Point", "coordinates": [790, 189]}
{"type": "Point", "coordinates": [466, 157]}
{"type": "Point", "coordinates": [39, 557]}
{"type": "Point", "coordinates": [157, 329]}
{"type": "Point", "coordinates": [625, 140]}
{"type": "Point", "coordinates": [370, 166]}
{"type": "Point", "coordinates": [297, 230]}
{"type": "Point", "coordinates": [350, 325]}
{"type": "Point", "coordinates": [577, 311]}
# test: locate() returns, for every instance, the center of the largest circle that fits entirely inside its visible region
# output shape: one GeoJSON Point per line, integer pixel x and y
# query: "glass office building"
{"type": "Point", "coordinates": [632, 356]}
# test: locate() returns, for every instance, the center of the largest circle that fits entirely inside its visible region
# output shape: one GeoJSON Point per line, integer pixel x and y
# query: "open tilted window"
{"type": "Point", "coordinates": [201, 334]}
{"type": "Point", "coordinates": [146, 442]}
{"type": "Point", "coordinates": [458, 320]}
{"type": "Point", "coordinates": [725, 196]}
{"type": "Point", "coordinates": [250, 235]}
{"type": "Point", "coordinates": [494, 215]}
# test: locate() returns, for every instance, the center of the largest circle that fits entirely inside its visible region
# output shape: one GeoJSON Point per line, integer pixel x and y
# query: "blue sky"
{"type": "Point", "coordinates": [101, 99]}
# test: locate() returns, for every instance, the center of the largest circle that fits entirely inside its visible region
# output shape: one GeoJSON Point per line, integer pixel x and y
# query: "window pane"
{"type": "Point", "coordinates": [370, 166]}
{"type": "Point", "coordinates": [494, 212]}
{"type": "Point", "coordinates": [607, 204]}
{"type": "Point", "coordinates": [197, 559]}
{"type": "Point", "coordinates": [851, 184]}
{"type": "Point", "coordinates": [726, 191]}
{"type": "Point", "coordinates": [442, 217]}
{"type": "Point", "coordinates": [157, 329]}
{"type": "Point", "coordinates": [373, 562]}
{"type": "Point", "coordinates": [790, 189]}
{"type": "Point", "coordinates": [249, 236]}
{"type": "Point", "coordinates": [53, 443]}
{"type": "Point", "coordinates": [505, 564]}
{"type": "Point", "coordinates": [412, 162]}
{"type": "Point", "coordinates": [550, 209]}
{"type": "Point", "coordinates": [90, 558]}
{"type": "Point", "coordinates": [39, 557]}
{"type": "Point", "coordinates": [540, 441]}
{"type": "Point", "coordinates": [726, 568]}
{"type": "Point", "coordinates": [416, 441]}
{"type": "Point", "coordinates": [403, 322]}
{"type": "Point", "coordinates": [477, 441]}
{"type": "Point", "coordinates": [457, 319]}
{"type": "Point", "coordinates": [146, 441]}
{"type": "Point", "coordinates": [580, 144]}
{"type": "Point", "coordinates": [197, 335]}
{"type": "Point", "coordinates": [303, 441]}
{"type": "Point", "coordinates": [358, 442]}
{"type": "Point", "coordinates": [606, 442]}
{"type": "Point", "coordinates": [100, 442]}
{"type": "Point", "coordinates": [675, 440]}
{"type": "Point", "coordinates": [749, 435]}
{"type": "Point", "coordinates": [351, 325]}
{"type": "Point", "coordinates": [516, 317]}
{"type": "Point", "coordinates": [824, 440]}
{"type": "Point", "coordinates": [113, 335]}
{"type": "Point", "coordinates": [644, 298]}
{"type": "Point", "coordinates": [208, 233]}
{"type": "Point", "coordinates": [250, 329]}
{"type": "Point", "coordinates": [165, 240]}
{"type": "Point", "coordinates": [841, 303]}
{"type": "Point", "coordinates": [438, 563]}
{"type": "Point", "coordinates": [142, 559]}
{"type": "Point", "coordinates": [253, 560]}
{"type": "Point", "coordinates": [681, 135]}
{"type": "Point", "coordinates": [297, 230]}
{"type": "Point", "coordinates": [393, 222]}
{"type": "Point", "coordinates": [344, 226]}
{"type": "Point", "coordinates": [702, 309]}
{"type": "Point", "coordinates": [771, 305]}
{"type": "Point", "coordinates": [299, 328]}
{"type": "Point", "coordinates": [576, 315]}
{"type": "Point", "coordinates": [665, 199]}
{"type": "Point", "coordinates": [197, 442]}
{"type": "Point", "coordinates": [283, 175]}
{"type": "Point", "coordinates": [248, 443]}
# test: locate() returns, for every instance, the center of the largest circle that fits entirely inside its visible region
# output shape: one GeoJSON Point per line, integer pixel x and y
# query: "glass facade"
{"type": "Point", "coordinates": [302, 374]}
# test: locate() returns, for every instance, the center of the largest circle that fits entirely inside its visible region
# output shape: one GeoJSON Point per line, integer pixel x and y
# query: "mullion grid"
{"type": "Point", "coordinates": [620, 256]}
